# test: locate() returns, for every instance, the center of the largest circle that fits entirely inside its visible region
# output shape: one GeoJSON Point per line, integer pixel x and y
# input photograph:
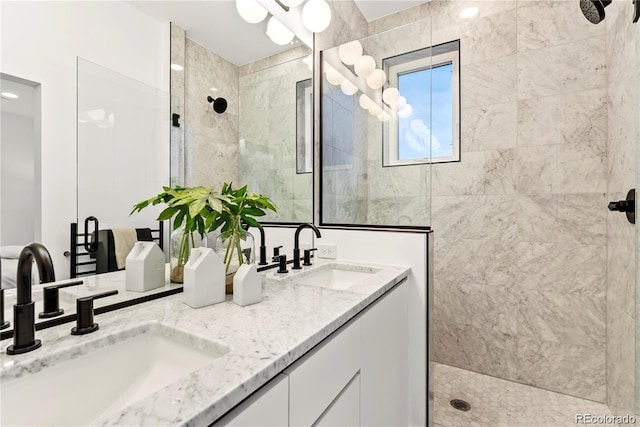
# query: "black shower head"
{"type": "Point", "coordinates": [593, 10]}
{"type": "Point", "coordinates": [219, 104]}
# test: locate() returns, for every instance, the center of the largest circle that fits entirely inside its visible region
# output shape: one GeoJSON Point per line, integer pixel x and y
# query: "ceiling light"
{"type": "Point", "coordinates": [350, 52]}
{"type": "Point", "coordinates": [316, 15]}
{"type": "Point", "coordinates": [251, 11]}
{"type": "Point", "coordinates": [9, 95]}
{"type": "Point", "coordinates": [469, 12]}
{"type": "Point", "coordinates": [376, 79]}
{"type": "Point", "coordinates": [365, 101]}
{"type": "Point", "coordinates": [177, 67]}
{"type": "Point", "coordinates": [365, 66]}
{"type": "Point", "coordinates": [348, 88]}
{"type": "Point", "coordinates": [291, 3]}
{"type": "Point", "coordinates": [333, 76]}
{"type": "Point", "coordinates": [405, 112]}
{"type": "Point", "coordinates": [278, 33]}
{"type": "Point", "coordinates": [391, 96]}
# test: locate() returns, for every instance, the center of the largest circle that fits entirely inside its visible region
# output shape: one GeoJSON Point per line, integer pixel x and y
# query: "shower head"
{"type": "Point", "coordinates": [219, 104]}
{"type": "Point", "coordinates": [593, 10]}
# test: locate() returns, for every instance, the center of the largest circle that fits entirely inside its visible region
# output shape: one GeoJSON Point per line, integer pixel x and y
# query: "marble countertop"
{"type": "Point", "coordinates": [263, 339]}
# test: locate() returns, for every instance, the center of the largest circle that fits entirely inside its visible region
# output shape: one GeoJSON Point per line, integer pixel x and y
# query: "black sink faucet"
{"type": "Point", "coordinates": [296, 246]}
{"type": "Point", "coordinates": [24, 309]}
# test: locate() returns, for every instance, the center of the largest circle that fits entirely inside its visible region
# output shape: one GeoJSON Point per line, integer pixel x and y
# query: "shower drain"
{"type": "Point", "coordinates": [460, 405]}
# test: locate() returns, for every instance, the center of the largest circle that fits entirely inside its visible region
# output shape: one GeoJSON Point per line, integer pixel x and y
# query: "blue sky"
{"type": "Point", "coordinates": [424, 89]}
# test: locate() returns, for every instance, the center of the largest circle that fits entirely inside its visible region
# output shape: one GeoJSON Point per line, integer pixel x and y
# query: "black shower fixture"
{"type": "Point", "coordinates": [593, 10]}
{"type": "Point", "coordinates": [219, 104]}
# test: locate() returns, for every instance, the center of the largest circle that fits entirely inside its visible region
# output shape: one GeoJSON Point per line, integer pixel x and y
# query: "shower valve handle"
{"type": "Point", "coordinates": [627, 206]}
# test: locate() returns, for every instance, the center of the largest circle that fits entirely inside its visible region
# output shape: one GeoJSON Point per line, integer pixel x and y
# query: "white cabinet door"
{"type": "Point", "coordinates": [345, 409]}
{"type": "Point", "coordinates": [268, 407]}
{"type": "Point", "coordinates": [384, 367]}
{"type": "Point", "coordinates": [320, 376]}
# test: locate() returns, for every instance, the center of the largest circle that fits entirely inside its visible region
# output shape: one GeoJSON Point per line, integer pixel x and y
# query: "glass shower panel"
{"type": "Point", "coordinates": [377, 123]}
{"type": "Point", "coordinates": [122, 146]}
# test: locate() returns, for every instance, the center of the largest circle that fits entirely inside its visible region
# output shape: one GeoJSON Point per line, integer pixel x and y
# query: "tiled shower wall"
{"type": "Point", "coordinates": [520, 223]}
{"type": "Point", "coordinates": [622, 93]}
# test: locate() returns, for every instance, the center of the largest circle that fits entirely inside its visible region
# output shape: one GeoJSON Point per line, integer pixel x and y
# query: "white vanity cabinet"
{"type": "Point", "coordinates": [268, 407]}
{"type": "Point", "coordinates": [356, 377]}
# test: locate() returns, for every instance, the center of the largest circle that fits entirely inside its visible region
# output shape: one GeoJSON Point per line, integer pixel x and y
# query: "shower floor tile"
{"type": "Point", "coordinates": [501, 403]}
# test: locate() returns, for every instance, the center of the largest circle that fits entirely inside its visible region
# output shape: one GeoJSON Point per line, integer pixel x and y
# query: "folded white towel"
{"type": "Point", "coordinates": [11, 252]}
{"type": "Point", "coordinates": [124, 239]}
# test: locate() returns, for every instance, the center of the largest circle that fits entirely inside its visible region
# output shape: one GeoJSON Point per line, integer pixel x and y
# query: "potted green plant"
{"type": "Point", "coordinates": [201, 210]}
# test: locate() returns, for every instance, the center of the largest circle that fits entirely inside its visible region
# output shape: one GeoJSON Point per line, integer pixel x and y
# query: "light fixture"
{"type": "Point", "coordinates": [402, 102]}
{"type": "Point", "coordinates": [316, 15]}
{"type": "Point", "coordinates": [333, 76]}
{"type": "Point", "coordinates": [406, 112]}
{"type": "Point", "coordinates": [375, 110]}
{"type": "Point", "coordinates": [376, 79]}
{"type": "Point", "coordinates": [391, 96]}
{"type": "Point", "coordinates": [219, 104]}
{"type": "Point", "coordinates": [9, 95]}
{"type": "Point", "coordinates": [384, 116]}
{"type": "Point", "coordinates": [365, 66]}
{"type": "Point", "coordinates": [350, 52]}
{"type": "Point", "coordinates": [291, 3]}
{"type": "Point", "coordinates": [177, 67]}
{"type": "Point", "coordinates": [365, 101]}
{"type": "Point", "coordinates": [278, 33]}
{"type": "Point", "coordinates": [348, 88]}
{"type": "Point", "coordinates": [251, 11]}
{"type": "Point", "coordinates": [469, 12]}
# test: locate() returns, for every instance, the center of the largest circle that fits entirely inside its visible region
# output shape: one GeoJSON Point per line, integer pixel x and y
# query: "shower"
{"type": "Point", "coordinates": [593, 10]}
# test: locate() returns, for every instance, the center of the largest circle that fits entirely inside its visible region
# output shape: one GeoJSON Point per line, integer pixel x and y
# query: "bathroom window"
{"type": "Point", "coordinates": [429, 131]}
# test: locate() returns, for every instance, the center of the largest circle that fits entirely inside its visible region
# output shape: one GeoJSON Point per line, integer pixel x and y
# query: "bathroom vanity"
{"type": "Point", "coordinates": [326, 346]}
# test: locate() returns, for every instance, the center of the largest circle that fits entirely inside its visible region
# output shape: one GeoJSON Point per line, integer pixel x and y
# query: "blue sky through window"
{"type": "Point", "coordinates": [423, 135]}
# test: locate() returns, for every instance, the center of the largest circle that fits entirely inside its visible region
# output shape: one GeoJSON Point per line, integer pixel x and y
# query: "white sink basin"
{"type": "Point", "coordinates": [337, 278]}
{"type": "Point", "coordinates": [82, 390]}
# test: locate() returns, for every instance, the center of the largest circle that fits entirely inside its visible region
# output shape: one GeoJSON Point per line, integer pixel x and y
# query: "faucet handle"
{"type": "Point", "coordinates": [52, 300]}
{"type": "Point", "coordinates": [84, 309]}
{"type": "Point", "coordinates": [282, 263]}
{"type": "Point", "coordinates": [276, 252]}
{"type": "Point", "coordinates": [307, 256]}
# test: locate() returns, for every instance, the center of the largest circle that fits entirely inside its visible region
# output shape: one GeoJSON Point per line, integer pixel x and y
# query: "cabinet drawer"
{"type": "Point", "coordinates": [319, 377]}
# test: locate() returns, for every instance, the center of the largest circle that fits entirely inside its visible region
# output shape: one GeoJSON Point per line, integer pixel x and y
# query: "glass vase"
{"type": "Point", "coordinates": [181, 244]}
{"type": "Point", "coordinates": [235, 247]}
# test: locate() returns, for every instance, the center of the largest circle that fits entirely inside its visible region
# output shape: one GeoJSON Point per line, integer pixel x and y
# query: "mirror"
{"type": "Point", "coordinates": [263, 139]}
{"type": "Point", "coordinates": [19, 171]}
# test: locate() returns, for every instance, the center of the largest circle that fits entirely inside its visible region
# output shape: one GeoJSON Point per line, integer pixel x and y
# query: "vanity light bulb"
{"type": "Point", "coordinates": [402, 102]}
{"type": "Point", "coordinates": [365, 101]}
{"type": "Point", "coordinates": [376, 79]}
{"type": "Point", "coordinates": [348, 88]}
{"type": "Point", "coordinates": [278, 33]}
{"type": "Point", "coordinates": [406, 112]}
{"type": "Point", "coordinates": [291, 3]}
{"type": "Point", "coordinates": [364, 66]}
{"type": "Point", "coordinates": [384, 116]}
{"type": "Point", "coordinates": [375, 110]}
{"type": "Point", "coordinates": [316, 15]}
{"type": "Point", "coordinates": [391, 96]}
{"type": "Point", "coordinates": [333, 76]}
{"type": "Point", "coordinates": [350, 52]}
{"type": "Point", "coordinates": [251, 11]}
{"type": "Point", "coordinates": [469, 12]}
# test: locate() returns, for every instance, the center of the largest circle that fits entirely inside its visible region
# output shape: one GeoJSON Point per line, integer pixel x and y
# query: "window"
{"type": "Point", "coordinates": [429, 80]}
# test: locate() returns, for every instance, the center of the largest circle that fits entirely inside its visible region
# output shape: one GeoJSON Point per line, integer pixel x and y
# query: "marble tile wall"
{"type": "Point", "coordinates": [622, 93]}
{"type": "Point", "coordinates": [520, 223]}
{"type": "Point", "coordinates": [178, 50]}
{"type": "Point", "coordinates": [211, 139]}
{"type": "Point", "coordinates": [267, 160]}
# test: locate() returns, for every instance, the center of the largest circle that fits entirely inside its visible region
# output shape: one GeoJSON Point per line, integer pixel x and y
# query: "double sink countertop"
{"type": "Point", "coordinates": [262, 340]}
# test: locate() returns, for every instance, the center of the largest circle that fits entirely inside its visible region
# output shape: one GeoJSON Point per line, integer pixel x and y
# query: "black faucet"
{"type": "Point", "coordinates": [296, 246]}
{"type": "Point", "coordinates": [24, 309]}
{"type": "Point", "coordinates": [263, 248]}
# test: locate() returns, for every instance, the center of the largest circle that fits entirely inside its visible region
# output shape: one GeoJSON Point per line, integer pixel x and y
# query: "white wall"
{"type": "Point", "coordinates": [40, 41]}
{"type": "Point", "coordinates": [18, 176]}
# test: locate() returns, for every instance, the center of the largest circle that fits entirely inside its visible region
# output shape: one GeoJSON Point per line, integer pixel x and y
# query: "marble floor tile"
{"type": "Point", "coordinates": [500, 403]}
